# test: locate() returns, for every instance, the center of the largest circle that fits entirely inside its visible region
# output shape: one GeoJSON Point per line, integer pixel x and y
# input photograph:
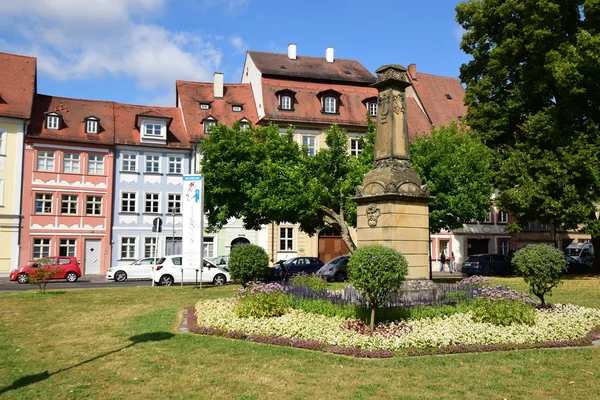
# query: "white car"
{"type": "Point", "coordinates": [170, 272]}
{"type": "Point", "coordinates": [140, 269]}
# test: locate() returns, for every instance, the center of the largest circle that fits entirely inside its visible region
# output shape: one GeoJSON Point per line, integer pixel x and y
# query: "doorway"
{"type": "Point", "coordinates": [478, 246]}
{"type": "Point", "coordinates": [92, 256]}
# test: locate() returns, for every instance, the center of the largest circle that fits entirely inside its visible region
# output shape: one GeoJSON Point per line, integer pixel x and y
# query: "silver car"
{"type": "Point", "coordinates": [335, 270]}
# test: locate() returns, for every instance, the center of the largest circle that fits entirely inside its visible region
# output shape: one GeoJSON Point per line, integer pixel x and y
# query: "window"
{"type": "Point", "coordinates": [153, 163]}
{"type": "Point", "coordinates": [329, 105]}
{"type": "Point", "coordinates": [502, 217]}
{"type": "Point", "coordinates": [236, 108]}
{"type": "Point", "coordinates": [150, 247]}
{"type": "Point", "coordinates": [204, 106]}
{"type": "Point", "coordinates": [91, 126]}
{"type": "Point", "coordinates": [71, 163]}
{"type": "Point", "coordinates": [544, 227]}
{"type": "Point", "coordinates": [174, 204]}
{"type": "Point", "coordinates": [93, 205]}
{"type": "Point", "coordinates": [67, 248]}
{"type": "Point", "coordinates": [52, 121]}
{"type": "Point", "coordinates": [244, 124]}
{"type": "Point", "coordinates": [488, 218]}
{"type": "Point", "coordinates": [153, 129]}
{"type": "Point", "coordinates": [309, 141]}
{"type": "Point", "coordinates": [209, 247]}
{"type": "Point", "coordinates": [285, 102]}
{"type": "Point", "coordinates": [41, 248]}
{"type": "Point", "coordinates": [45, 161]}
{"type": "Point", "coordinates": [43, 203]}
{"type": "Point", "coordinates": [129, 162]}
{"type": "Point", "coordinates": [503, 246]}
{"type": "Point", "coordinates": [128, 202]}
{"type": "Point", "coordinates": [175, 164]}
{"type": "Point", "coordinates": [151, 205]}
{"type": "Point", "coordinates": [95, 164]}
{"type": "Point", "coordinates": [3, 134]}
{"type": "Point", "coordinates": [286, 239]}
{"type": "Point", "coordinates": [68, 204]}
{"type": "Point", "coordinates": [128, 248]}
{"type": "Point", "coordinates": [372, 108]}
{"type": "Point", "coordinates": [355, 147]}
{"type": "Point", "coordinates": [208, 123]}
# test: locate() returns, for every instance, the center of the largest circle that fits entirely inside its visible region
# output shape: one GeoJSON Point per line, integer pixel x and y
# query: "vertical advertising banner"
{"type": "Point", "coordinates": [193, 221]}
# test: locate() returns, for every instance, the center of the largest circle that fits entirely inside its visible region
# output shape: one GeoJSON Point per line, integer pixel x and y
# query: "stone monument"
{"type": "Point", "coordinates": [392, 203]}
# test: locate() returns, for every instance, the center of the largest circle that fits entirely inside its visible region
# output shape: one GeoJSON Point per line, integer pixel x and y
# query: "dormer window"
{"type": "Point", "coordinates": [91, 124]}
{"type": "Point", "coordinates": [204, 106]}
{"type": "Point", "coordinates": [286, 99]}
{"type": "Point", "coordinates": [236, 108]}
{"type": "Point", "coordinates": [208, 124]}
{"type": "Point", "coordinates": [153, 129]}
{"type": "Point", "coordinates": [371, 105]}
{"type": "Point", "coordinates": [53, 120]}
{"type": "Point", "coordinates": [330, 102]}
{"type": "Point", "coordinates": [153, 126]}
{"type": "Point", "coordinates": [244, 124]}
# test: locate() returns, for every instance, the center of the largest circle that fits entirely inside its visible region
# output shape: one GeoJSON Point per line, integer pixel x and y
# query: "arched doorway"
{"type": "Point", "coordinates": [331, 244]}
{"type": "Point", "coordinates": [238, 241]}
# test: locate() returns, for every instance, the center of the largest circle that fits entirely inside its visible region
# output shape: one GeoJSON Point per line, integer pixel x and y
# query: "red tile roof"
{"type": "Point", "coordinates": [341, 70]}
{"type": "Point", "coordinates": [127, 131]}
{"type": "Point", "coordinates": [191, 94]}
{"type": "Point", "coordinates": [73, 112]}
{"type": "Point", "coordinates": [17, 85]}
{"type": "Point", "coordinates": [432, 90]}
{"type": "Point", "coordinates": [417, 120]}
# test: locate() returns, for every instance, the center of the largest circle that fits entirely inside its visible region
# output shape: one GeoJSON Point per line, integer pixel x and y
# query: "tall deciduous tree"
{"type": "Point", "coordinates": [457, 168]}
{"type": "Point", "coordinates": [534, 96]}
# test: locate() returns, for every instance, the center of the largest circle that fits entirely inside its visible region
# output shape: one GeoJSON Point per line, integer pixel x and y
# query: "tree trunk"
{"type": "Point", "coordinates": [337, 220]}
{"type": "Point", "coordinates": [372, 319]}
{"type": "Point", "coordinates": [596, 265]}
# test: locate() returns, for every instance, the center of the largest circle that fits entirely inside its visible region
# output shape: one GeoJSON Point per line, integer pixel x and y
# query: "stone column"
{"type": "Point", "coordinates": [392, 203]}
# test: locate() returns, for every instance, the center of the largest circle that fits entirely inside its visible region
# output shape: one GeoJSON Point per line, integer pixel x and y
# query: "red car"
{"type": "Point", "coordinates": [68, 268]}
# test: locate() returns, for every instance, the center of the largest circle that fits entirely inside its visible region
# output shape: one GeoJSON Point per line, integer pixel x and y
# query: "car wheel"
{"type": "Point", "coordinates": [71, 277]}
{"type": "Point", "coordinates": [120, 276]}
{"type": "Point", "coordinates": [340, 276]}
{"type": "Point", "coordinates": [220, 280]}
{"type": "Point", "coordinates": [166, 280]}
{"type": "Point", "coordinates": [491, 271]}
{"type": "Point", "coordinates": [22, 278]}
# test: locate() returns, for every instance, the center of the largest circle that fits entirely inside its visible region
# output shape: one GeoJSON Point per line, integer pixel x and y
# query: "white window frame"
{"type": "Point", "coordinates": [91, 126]}
{"type": "Point", "coordinates": [488, 218]}
{"type": "Point", "coordinates": [93, 204]}
{"type": "Point", "coordinates": [70, 247]}
{"type": "Point", "coordinates": [329, 104]}
{"type": "Point", "coordinates": [175, 162]}
{"type": "Point", "coordinates": [73, 161]}
{"type": "Point", "coordinates": [45, 200]}
{"type": "Point", "coordinates": [311, 143]}
{"type": "Point", "coordinates": [149, 246]}
{"type": "Point", "coordinates": [174, 201]}
{"type": "Point", "coordinates": [127, 200]}
{"type": "Point", "coordinates": [52, 122]}
{"type": "Point", "coordinates": [3, 140]}
{"type": "Point", "coordinates": [355, 147]}
{"type": "Point", "coordinates": [154, 129]}
{"type": "Point", "coordinates": [208, 123]}
{"type": "Point", "coordinates": [70, 201]}
{"type": "Point", "coordinates": [286, 237]}
{"type": "Point", "coordinates": [204, 106]}
{"type": "Point", "coordinates": [502, 217]}
{"type": "Point", "coordinates": [95, 164]}
{"type": "Point", "coordinates": [285, 102]}
{"type": "Point", "coordinates": [128, 243]}
{"type": "Point", "coordinates": [236, 108]}
{"type": "Point", "coordinates": [151, 199]}
{"type": "Point", "coordinates": [41, 247]}
{"type": "Point", "coordinates": [129, 162]}
{"type": "Point", "coordinates": [372, 108]}
{"type": "Point", "coordinates": [45, 160]}
{"type": "Point", "coordinates": [154, 161]}
{"type": "Point", "coordinates": [503, 246]}
{"type": "Point", "coordinates": [209, 246]}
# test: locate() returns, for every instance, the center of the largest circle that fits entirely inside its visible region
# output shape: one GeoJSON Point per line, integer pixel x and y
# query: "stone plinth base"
{"type": "Point", "coordinates": [400, 222]}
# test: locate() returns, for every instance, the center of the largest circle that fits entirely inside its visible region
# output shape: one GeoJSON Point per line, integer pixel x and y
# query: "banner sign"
{"type": "Point", "coordinates": [193, 221]}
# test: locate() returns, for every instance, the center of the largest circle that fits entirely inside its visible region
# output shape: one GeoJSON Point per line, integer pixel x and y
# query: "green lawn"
{"type": "Point", "coordinates": [123, 344]}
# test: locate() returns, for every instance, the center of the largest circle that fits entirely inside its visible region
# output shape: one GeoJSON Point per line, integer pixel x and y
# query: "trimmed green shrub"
{"type": "Point", "coordinates": [376, 271]}
{"type": "Point", "coordinates": [311, 281]}
{"type": "Point", "coordinates": [542, 267]}
{"type": "Point", "coordinates": [261, 300]}
{"type": "Point", "coordinates": [503, 313]}
{"type": "Point", "coordinates": [248, 262]}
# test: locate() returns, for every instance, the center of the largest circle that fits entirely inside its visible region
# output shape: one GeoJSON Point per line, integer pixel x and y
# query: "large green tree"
{"type": "Point", "coordinates": [534, 97]}
{"type": "Point", "coordinates": [457, 167]}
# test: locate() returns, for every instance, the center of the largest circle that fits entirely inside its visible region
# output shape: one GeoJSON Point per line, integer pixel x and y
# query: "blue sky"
{"type": "Point", "coordinates": [132, 51]}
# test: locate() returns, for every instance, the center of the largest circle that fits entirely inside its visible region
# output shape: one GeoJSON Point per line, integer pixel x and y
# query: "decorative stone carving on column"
{"type": "Point", "coordinates": [373, 214]}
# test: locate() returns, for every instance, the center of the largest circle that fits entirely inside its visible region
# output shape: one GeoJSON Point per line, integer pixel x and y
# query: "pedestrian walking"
{"type": "Point", "coordinates": [452, 263]}
{"type": "Point", "coordinates": [442, 261]}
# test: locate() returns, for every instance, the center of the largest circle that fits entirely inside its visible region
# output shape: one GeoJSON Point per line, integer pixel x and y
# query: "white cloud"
{"type": "Point", "coordinates": [73, 43]}
{"type": "Point", "coordinates": [233, 7]}
{"type": "Point", "coordinates": [239, 44]}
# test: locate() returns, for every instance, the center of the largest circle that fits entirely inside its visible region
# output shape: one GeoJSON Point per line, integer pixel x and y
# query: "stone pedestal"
{"type": "Point", "coordinates": [393, 207]}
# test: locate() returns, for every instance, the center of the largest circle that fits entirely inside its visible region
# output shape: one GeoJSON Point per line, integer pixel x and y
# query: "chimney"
{"type": "Point", "coordinates": [218, 85]}
{"type": "Point", "coordinates": [412, 71]}
{"type": "Point", "coordinates": [329, 54]}
{"type": "Point", "coordinates": [292, 51]}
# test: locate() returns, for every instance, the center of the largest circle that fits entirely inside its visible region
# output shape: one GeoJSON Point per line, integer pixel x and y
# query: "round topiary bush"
{"type": "Point", "coordinates": [376, 271]}
{"type": "Point", "coordinates": [542, 267]}
{"type": "Point", "coordinates": [248, 262]}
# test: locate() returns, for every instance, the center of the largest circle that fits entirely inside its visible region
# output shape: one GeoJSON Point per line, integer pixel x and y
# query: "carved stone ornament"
{"type": "Point", "coordinates": [373, 214]}
{"type": "Point", "coordinates": [392, 73]}
{"type": "Point", "coordinates": [398, 104]}
{"type": "Point", "coordinates": [383, 107]}
{"type": "Point", "coordinates": [393, 164]}
{"type": "Point", "coordinates": [359, 191]}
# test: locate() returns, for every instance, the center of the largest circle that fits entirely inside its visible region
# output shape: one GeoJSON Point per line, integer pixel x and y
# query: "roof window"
{"type": "Point", "coordinates": [204, 106]}
{"type": "Point", "coordinates": [448, 96]}
{"type": "Point", "coordinates": [237, 108]}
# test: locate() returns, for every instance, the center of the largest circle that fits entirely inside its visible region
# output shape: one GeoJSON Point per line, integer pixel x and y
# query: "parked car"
{"type": "Point", "coordinates": [139, 269]}
{"type": "Point", "coordinates": [68, 268]}
{"type": "Point", "coordinates": [220, 261]}
{"type": "Point", "coordinates": [170, 271]}
{"type": "Point", "coordinates": [581, 252]}
{"type": "Point", "coordinates": [577, 267]}
{"type": "Point", "coordinates": [487, 264]}
{"type": "Point", "coordinates": [335, 270]}
{"type": "Point", "coordinates": [297, 265]}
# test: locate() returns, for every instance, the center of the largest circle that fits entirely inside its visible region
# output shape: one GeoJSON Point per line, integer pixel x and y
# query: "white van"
{"type": "Point", "coordinates": [581, 252]}
{"type": "Point", "coordinates": [171, 271]}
